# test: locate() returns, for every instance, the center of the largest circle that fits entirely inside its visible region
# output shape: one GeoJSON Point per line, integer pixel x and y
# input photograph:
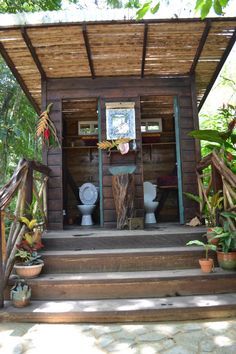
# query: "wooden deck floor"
{"type": "Point", "coordinates": [154, 229]}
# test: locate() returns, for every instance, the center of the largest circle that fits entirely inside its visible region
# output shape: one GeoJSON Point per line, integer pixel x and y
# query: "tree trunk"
{"type": "Point", "coordinates": [123, 189]}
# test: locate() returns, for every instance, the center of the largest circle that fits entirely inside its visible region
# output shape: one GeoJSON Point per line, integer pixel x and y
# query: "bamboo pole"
{"type": "Point", "coordinates": [19, 207]}
{"type": "Point", "coordinates": [11, 259]}
{"type": "Point", "coordinates": [45, 206]}
{"type": "Point", "coordinates": [1, 266]}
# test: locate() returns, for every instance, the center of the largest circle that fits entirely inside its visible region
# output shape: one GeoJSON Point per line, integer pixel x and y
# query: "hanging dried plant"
{"type": "Point", "coordinates": [47, 130]}
{"type": "Point", "coordinates": [118, 143]}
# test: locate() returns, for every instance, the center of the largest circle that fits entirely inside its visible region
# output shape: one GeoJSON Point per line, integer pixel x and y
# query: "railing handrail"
{"type": "Point", "coordinates": [7, 194]}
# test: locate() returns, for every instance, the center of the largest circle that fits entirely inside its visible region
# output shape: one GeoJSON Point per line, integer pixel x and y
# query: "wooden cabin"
{"type": "Point", "coordinates": [164, 68]}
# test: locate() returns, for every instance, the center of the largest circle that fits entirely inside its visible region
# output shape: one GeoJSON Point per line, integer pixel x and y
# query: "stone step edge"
{"type": "Point", "coordinates": [124, 310]}
{"type": "Point", "coordinates": [134, 276]}
{"type": "Point", "coordinates": [124, 251]}
{"type": "Point", "coordinates": [121, 233]}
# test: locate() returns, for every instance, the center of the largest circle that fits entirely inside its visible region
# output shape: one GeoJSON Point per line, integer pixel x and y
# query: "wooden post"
{"type": "Point", "coordinates": [123, 188]}
{"type": "Point", "coordinates": [216, 179]}
{"type": "Point", "coordinates": [1, 264]}
{"type": "Point", "coordinates": [29, 189]}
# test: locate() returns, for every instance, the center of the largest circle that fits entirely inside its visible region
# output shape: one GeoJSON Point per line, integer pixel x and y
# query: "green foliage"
{"type": "Point", "coordinates": [210, 208]}
{"type": "Point", "coordinates": [114, 3]}
{"type": "Point", "coordinates": [226, 237]}
{"type": "Point", "coordinates": [133, 4]}
{"type": "Point", "coordinates": [14, 6]}
{"type": "Point", "coordinates": [204, 7]}
{"type": "Point", "coordinates": [17, 125]}
{"type": "Point", "coordinates": [218, 122]}
{"type": "Point", "coordinates": [201, 6]}
{"type": "Point", "coordinates": [207, 246]}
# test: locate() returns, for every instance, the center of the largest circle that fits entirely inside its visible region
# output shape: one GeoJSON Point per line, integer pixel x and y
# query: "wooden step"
{"type": "Point", "coordinates": [124, 310]}
{"type": "Point", "coordinates": [122, 260]}
{"type": "Point", "coordinates": [120, 239]}
{"type": "Point", "coordinates": [117, 285]}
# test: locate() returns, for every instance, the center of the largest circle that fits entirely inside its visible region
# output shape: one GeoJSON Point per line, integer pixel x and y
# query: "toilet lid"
{"type": "Point", "coordinates": [150, 191]}
{"type": "Point", "coordinates": [88, 194]}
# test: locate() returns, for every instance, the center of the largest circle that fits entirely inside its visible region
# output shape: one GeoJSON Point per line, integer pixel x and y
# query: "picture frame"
{"type": "Point", "coordinates": [120, 120]}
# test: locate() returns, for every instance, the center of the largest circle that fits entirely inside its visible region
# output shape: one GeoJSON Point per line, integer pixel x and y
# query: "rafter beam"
{"type": "Point", "coordinates": [33, 53]}
{"type": "Point", "coordinates": [219, 67]}
{"type": "Point", "coordinates": [88, 50]}
{"type": "Point", "coordinates": [18, 77]}
{"type": "Point", "coordinates": [201, 46]}
{"type": "Point", "coordinates": [145, 33]}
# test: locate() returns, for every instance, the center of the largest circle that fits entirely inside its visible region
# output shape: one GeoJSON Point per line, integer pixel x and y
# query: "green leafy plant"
{"type": "Point", "coordinates": [222, 138]}
{"type": "Point", "coordinates": [207, 246]}
{"type": "Point", "coordinates": [226, 237]}
{"type": "Point", "coordinates": [211, 206]}
{"type": "Point", "coordinates": [27, 249]}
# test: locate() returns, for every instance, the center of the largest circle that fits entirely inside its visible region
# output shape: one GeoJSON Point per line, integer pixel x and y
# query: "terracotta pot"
{"type": "Point", "coordinates": [21, 303]}
{"type": "Point", "coordinates": [207, 265]}
{"type": "Point", "coordinates": [28, 271]}
{"type": "Point", "coordinates": [227, 260]}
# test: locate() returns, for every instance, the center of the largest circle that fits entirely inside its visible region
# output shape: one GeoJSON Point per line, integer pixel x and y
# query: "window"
{"type": "Point", "coordinates": [88, 128]}
{"type": "Point", "coordinates": [151, 126]}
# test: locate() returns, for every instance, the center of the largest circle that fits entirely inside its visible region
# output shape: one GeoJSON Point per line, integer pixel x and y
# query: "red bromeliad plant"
{"type": "Point", "coordinates": [27, 249]}
{"type": "Point", "coordinates": [47, 130]}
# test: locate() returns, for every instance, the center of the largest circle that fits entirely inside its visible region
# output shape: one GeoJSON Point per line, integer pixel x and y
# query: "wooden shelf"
{"type": "Point", "coordinates": [79, 147]}
{"type": "Point", "coordinates": [160, 143]}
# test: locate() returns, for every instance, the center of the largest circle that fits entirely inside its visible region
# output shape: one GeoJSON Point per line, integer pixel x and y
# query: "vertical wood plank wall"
{"type": "Point", "coordinates": [117, 89]}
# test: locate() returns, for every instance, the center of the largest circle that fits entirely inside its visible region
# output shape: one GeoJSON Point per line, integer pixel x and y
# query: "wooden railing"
{"type": "Point", "coordinates": [220, 178]}
{"type": "Point", "coordinates": [28, 186]}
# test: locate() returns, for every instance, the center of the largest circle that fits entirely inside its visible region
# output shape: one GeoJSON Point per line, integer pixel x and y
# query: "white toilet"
{"type": "Point", "coordinates": [88, 194]}
{"type": "Point", "coordinates": [150, 193]}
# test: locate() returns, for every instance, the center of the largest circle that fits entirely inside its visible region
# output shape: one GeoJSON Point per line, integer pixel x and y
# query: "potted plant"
{"type": "Point", "coordinates": [28, 262]}
{"type": "Point", "coordinates": [20, 294]}
{"type": "Point", "coordinates": [206, 264]}
{"type": "Point", "coordinates": [226, 247]}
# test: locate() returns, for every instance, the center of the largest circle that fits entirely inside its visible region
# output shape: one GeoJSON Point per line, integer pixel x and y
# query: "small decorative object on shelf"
{"type": "Point", "coordinates": [20, 293]}
{"type": "Point", "coordinates": [121, 145]}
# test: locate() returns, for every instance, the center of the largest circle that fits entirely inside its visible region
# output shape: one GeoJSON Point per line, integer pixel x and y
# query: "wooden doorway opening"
{"type": "Point", "coordinates": [159, 153]}
{"type": "Point", "coordinates": [80, 155]}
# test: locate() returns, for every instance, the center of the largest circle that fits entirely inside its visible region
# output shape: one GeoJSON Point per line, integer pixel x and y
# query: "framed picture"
{"type": "Point", "coordinates": [120, 120]}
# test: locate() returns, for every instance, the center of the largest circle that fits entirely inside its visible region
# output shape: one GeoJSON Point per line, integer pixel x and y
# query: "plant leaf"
{"type": "Point", "coordinates": [24, 220]}
{"type": "Point", "coordinates": [208, 135]}
{"type": "Point", "coordinates": [142, 12]}
{"type": "Point", "coordinates": [206, 8]}
{"type": "Point", "coordinates": [223, 3]}
{"type": "Point", "coordinates": [194, 197]}
{"type": "Point", "coordinates": [217, 7]}
{"type": "Point", "coordinates": [155, 8]}
{"type": "Point", "coordinates": [199, 4]}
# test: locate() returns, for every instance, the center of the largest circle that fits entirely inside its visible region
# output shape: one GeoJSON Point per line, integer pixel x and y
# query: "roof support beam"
{"type": "Point", "coordinates": [18, 77]}
{"type": "Point", "coordinates": [33, 53]}
{"type": "Point", "coordinates": [219, 67]}
{"type": "Point", "coordinates": [145, 33]}
{"type": "Point", "coordinates": [201, 46]}
{"type": "Point", "coordinates": [88, 50]}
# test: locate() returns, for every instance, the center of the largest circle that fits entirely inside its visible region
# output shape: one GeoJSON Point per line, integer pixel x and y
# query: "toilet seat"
{"type": "Point", "coordinates": [150, 191]}
{"type": "Point", "coordinates": [88, 194]}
